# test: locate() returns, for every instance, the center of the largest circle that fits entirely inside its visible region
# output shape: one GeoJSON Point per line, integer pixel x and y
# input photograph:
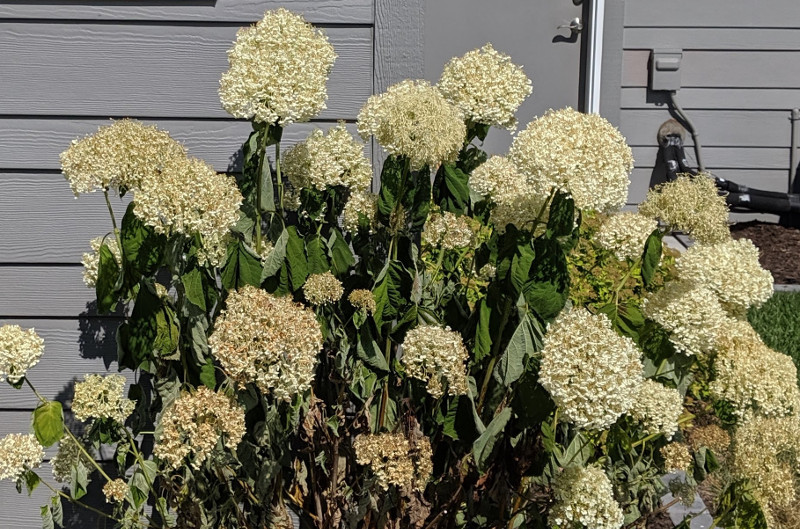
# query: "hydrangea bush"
{"type": "Point", "coordinates": [483, 342]}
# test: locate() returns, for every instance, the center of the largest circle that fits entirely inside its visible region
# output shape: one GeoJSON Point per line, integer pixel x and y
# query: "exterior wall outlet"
{"type": "Point", "coordinates": [665, 69]}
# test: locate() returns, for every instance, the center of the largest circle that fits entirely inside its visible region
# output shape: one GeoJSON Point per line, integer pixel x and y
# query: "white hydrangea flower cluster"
{"type": "Point", "coordinates": [19, 453]}
{"type": "Point", "coordinates": [581, 154]}
{"type": "Point", "coordinates": [270, 341]}
{"type": "Point", "coordinates": [692, 205]}
{"type": "Point", "coordinates": [360, 203]}
{"type": "Point", "coordinates": [91, 261]}
{"type": "Point", "coordinates": [625, 233]}
{"type": "Point", "coordinates": [20, 350]}
{"type": "Point", "coordinates": [192, 199]}
{"type": "Point", "coordinates": [584, 497]}
{"type": "Point", "coordinates": [278, 70]}
{"type": "Point", "coordinates": [753, 378]}
{"type": "Point", "coordinates": [657, 408]}
{"type": "Point", "coordinates": [449, 231]}
{"type": "Point", "coordinates": [677, 456]}
{"type": "Point", "coordinates": [362, 299]}
{"type": "Point", "coordinates": [692, 314]}
{"type": "Point", "coordinates": [731, 270]}
{"type": "Point", "coordinates": [592, 373]}
{"type": "Point", "coordinates": [414, 120]}
{"type": "Point", "coordinates": [115, 491]}
{"type": "Point", "coordinates": [766, 451]}
{"type": "Point", "coordinates": [486, 86]}
{"type": "Point", "coordinates": [194, 424]}
{"type": "Point", "coordinates": [323, 288]}
{"type": "Point", "coordinates": [100, 397]}
{"type": "Point", "coordinates": [394, 461]}
{"type": "Point", "coordinates": [117, 156]}
{"type": "Point", "coordinates": [433, 354]}
{"type": "Point", "coordinates": [69, 455]}
{"type": "Point", "coordinates": [516, 200]}
{"type": "Point", "coordinates": [328, 160]}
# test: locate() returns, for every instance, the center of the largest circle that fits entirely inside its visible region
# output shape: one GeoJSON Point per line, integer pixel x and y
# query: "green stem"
{"type": "Point", "coordinates": [86, 454]}
{"type": "Point", "coordinates": [113, 219]}
{"type": "Point", "coordinates": [78, 503]}
{"type": "Point", "coordinates": [495, 351]}
{"type": "Point", "coordinates": [38, 395]}
{"type": "Point", "coordinates": [625, 279]}
{"type": "Point", "coordinates": [262, 155]}
{"type": "Point", "coordinates": [278, 175]}
{"type": "Point", "coordinates": [140, 459]}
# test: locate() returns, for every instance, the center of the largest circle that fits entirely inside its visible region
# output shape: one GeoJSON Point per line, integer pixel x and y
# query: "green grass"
{"type": "Point", "coordinates": [778, 323]}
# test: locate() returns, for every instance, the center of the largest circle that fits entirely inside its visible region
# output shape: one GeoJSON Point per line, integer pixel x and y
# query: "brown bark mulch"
{"type": "Point", "coordinates": [779, 245]}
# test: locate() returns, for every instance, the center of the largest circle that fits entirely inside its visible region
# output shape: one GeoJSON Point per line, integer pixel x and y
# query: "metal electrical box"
{"type": "Point", "coordinates": [665, 69]}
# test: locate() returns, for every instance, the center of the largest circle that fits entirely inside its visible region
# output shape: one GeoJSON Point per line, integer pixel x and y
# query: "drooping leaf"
{"type": "Point", "coordinates": [523, 344]}
{"type": "Point", "coordinates": [193, 286]}
{"type": "Point", "coordinates": [451, 189]}
{"type": "Point", "coordinates": [483, 332]}
{"type": "Point", "coordinates": [577, 453]}
{"type": "Point", "coordinates": [208, 374]}
{"type": "Point", "coordinates": [651, 257]}
{"type": "Point", "coordinates": [47, 517]}
{"type": "Point", "coordinates": [32, 480]}
{"type": "Point", "coordinates": [421, 199]}
{"type": "Point", "coordinates": [108, 281]}
{"type": "Point", "coordinates": [152, 330]}
{"type": "Point", "coordinates": [242, 267]}
{"type": "Point", "coordinates": [547, 290]}
{"type": "Point", "coordinates": [79, 481]}
{"type": "Point", "coordinates": [531, 402]}
{"type": "Point", "coordinates": [57, 511]}
{"type": "Point", "coordinates": [142, 248]}
{"type": "Point", "coordinates": [316, 250]}
{"type": "Point", "coordinates": [48, 423]}
{"type": "Point", "coordinates": [341, 254]}
{"type": "Point", "coordinates": [296, 259]}
{"type": "Point", "coordinates": [484, 446]}
{"type": "Point", "coordinates": [562, 215]}
{"type": "Point", "coordinates": [391, 292]}
{"type": "Point", "coordinates": [369, 351]}
{"type": "Point", "coordinates": [275, 258]}
{"type": "Point", "coordinates": [392, 186]}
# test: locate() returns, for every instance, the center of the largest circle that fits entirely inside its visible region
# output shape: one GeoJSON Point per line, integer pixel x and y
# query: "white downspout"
{"type": "Point", "coordinates": [597, 10]}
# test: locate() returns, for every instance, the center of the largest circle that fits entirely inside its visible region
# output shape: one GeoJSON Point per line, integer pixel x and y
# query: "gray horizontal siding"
{"type": "Point", "coordinates": [148, 70]}
{"type": "Point", "coordinates": [240, 11]}
{"type": "Point", "coordinates": [740, 77]}
{"type": "Point", "coordinates": [35, 143]}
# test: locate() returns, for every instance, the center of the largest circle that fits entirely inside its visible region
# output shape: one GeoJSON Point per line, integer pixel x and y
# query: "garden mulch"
{"type": "Point", "coordinates": [779, 245]}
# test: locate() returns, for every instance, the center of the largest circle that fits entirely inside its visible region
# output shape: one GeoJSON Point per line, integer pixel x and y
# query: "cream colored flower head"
{"type": "Point", "coordinates": [753, 378]}
{"type": "Point", "coordinates": [328, 160]}
{"type": "Point", "coordinates": [486, 86]}
{"type": "Point", "coordinates": [450, 231]}
{"type": "Point", "coordinates": [592, 373]}
{"type": "Point", "coordinates": [436, 355]}
{"type": "Point", "coordinates": [625, 233]}
{"type": "Point", "coordinates": [100, 397]}
{"type": "Point", "coordinates": [193, 425]}
{"type": "Point", "coordinates": [362, 299]}
{"type": "Point", "coordinates": [414, 120]}
{"type": "Point", "coordinates": [767, 452]}
{"type": "Point", "coordinates": [657, 408]}
{"type": "Point", "coordinates": [360, 204]}
{"type": "Point", "coordinates": [731, 270]}
{"type": "Point", "coordinates": [691, 313]}
{"type": "Point", "coordinates": [69, 455]}
{"type": "Point", "coordinates": [91, 261]}
{"type": "Point", "coordinates": [584, 498]}
{"type": "Point", "coordinates": [20, 350]}
{"type": "Point", "coordinates": [115, 491]}
{"type": "Point", "coordinates": [677, 456]}
{"type": "Point", "coordinates": [278, 70]}
{"type": "Point", "coordinates": [581, 154]}
{"type": "Point", "coordinates": [323, 288]}
{"type": "Point", "coordinates": [515, 200]}
{"type": "Point", "coordinates": [190, 198]}
{"type": "Point", "coordinates": [270, 341]}
{"type": "Point", "coordinates": [691, 204]}
{"type": "Point", "coordinates": [394, 461]}
{"type": "Point", "coordinates": [117, 156]}
{"type": "Point", "coordinates": [18, 454]}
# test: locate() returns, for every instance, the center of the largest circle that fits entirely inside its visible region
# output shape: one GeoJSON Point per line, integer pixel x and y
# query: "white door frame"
{"type": "Point", "coordinates": [597, 10]}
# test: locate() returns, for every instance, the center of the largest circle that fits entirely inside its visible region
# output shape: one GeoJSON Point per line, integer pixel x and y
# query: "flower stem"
{"type": "Point", "coordinates": [140, 459]}
{"type": "Point", "coordinates": [495, 351]}
{"type": "Point", "coordinates": [86, 454]}
{"type": "Point", "coordinates": [78, 503]}
{"type": "Point", "coordinates": [278, 176]}
{"type": "Point", "coordinates": [113, 219]}
{"type": "Point", "coordinates": [262, 155]}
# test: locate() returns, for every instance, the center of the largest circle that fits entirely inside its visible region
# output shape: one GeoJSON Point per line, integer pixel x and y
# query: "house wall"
{"type": "Point", "coordinates": [65, 68]}
{"type": "Point", "coordinates": [740, 79]}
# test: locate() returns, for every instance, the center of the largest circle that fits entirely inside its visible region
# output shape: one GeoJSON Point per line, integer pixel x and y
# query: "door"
{"type": "Point", "coordinates": [528, 31]}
